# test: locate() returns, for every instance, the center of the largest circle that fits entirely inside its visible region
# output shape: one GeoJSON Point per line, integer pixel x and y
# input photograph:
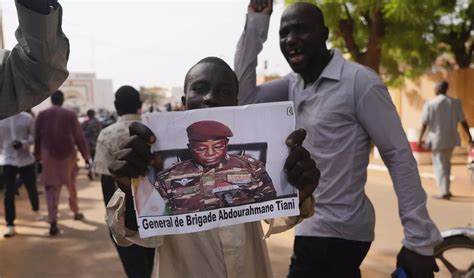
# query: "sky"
{"type": "Point", "coordinates": [153, 43]}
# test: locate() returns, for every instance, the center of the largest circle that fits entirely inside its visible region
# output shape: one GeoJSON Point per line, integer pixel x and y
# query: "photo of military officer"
{"type": "Point", "coordinates": [213, 178]}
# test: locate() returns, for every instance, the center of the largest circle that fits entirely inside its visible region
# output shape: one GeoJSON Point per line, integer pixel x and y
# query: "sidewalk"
{"type": "Point", "coordinates": [84, 249]}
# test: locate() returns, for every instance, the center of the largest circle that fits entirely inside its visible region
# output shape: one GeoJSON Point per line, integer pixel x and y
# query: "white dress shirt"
{"type": "Point", "coordinates": [18, 127]}
{"type": "Point", "coordinates": [442, 115]}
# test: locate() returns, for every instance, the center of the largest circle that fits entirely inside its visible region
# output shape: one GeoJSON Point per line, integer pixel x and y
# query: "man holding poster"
{"type": "Point", "coordinates": [232, 251]}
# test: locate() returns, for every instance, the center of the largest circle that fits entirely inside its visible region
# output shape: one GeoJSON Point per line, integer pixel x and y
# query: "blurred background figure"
{"type": "Point", "coordinates": [16, 137]}
{"type": "Point", "coordinates": [136, 260]}
{"type": "Point", "coordinates": [57, 133]}
{"type": "Point", "coordinates": [91, 128]}
{"type": "Point", "coordinates": [440, 117]}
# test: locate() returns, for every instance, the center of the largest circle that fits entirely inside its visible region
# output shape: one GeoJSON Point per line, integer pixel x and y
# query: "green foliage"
{"type": "Point", "coordinates": [455, 31]}
{"type": "Point", "coordinates": [409, 41]}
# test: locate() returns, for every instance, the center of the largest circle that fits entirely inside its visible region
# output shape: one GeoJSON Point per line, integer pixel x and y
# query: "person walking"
{"type": "Point", "coordinates": [440, 117]}
{"type": "Point", "coordinates": [57, 133]}
{"type": "Point", "coordinates": [91, 128]}
{"type": "Point", "coordinates": [16, 138]}
{"type": "Point", "coordinates": [136, 260]}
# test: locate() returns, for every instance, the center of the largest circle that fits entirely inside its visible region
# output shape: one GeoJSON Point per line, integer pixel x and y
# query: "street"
{"type": "Point", "coordinates": [84, 248]}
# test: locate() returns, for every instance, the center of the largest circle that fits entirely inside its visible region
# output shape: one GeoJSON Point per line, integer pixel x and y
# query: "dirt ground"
{"type": "Point", "coordinates": [84, 249]}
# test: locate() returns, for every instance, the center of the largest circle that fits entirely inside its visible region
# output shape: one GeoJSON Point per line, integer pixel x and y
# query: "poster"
{"type": "Point", "coordinates": [222, 166]}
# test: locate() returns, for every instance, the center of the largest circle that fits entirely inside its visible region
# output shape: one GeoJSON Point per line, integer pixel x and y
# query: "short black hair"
{"type": "Point", "coordinates": [216, 61]}
{"type": "Point", "coordinates": [57, 98]}
{"type": "Point", "coordinates": [309, 8]}
{"type": "Point", "coordinates": [442, 87]}
{"type": "Point", "coordinates": [90, 113]}
{"type": "Point", "coordinates": [127, 100]}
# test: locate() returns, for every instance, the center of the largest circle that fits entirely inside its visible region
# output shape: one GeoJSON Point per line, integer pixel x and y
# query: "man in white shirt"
{"type": "Point", "coordinates": [16, 138]}
{"type": "Point", "coordinates": [440, 117]}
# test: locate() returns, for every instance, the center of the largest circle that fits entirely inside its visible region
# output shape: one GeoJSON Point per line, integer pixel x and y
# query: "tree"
{"type": "Point", "coordinates": [393, 37]}
{"type": "Point", "coordinates": [455, 31]}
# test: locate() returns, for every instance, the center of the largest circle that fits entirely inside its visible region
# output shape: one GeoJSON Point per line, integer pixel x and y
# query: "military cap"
{"type": "Point", "coordinates": [208, 130]}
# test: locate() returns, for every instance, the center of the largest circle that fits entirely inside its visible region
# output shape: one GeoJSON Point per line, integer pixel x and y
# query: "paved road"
{"type": "Point", "coordinates": [85, 250]}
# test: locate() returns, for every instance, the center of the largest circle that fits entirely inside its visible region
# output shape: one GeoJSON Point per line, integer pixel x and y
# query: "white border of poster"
{"type": "Point", "coordinates": [259, 133]}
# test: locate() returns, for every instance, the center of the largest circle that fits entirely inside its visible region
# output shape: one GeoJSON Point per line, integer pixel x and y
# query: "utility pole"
{"type": "Point", "coordinates": [1, 26]}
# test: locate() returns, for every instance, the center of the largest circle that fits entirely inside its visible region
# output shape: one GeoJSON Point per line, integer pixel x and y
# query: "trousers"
{"type": "Point", "coordinates": [53, 192]}
{"type": "Point", "coordinates": [137, 261]}
{"type": "Point", "coordinates": [28, 176]}
{"type": "Point", "coordinates": [327, 257]}
{"type": "Point", "coordinates": [442, 169]}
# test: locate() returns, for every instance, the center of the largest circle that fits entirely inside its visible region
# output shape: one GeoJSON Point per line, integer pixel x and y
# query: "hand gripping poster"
{"type": "Point", "coordinates": [220, 167]}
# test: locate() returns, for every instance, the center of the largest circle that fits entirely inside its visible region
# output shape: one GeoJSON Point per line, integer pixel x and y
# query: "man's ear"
{"type": "Point", "coordinates": [183, 101]}
{"type": "Point", "coordinates": [325, 33]}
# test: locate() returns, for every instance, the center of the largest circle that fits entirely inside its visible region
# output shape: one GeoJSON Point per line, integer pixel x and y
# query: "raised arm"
{"type": "Point", "coordinates": [379, 118]}
{"type": "Point", "coordinates": [36, 66]}
{"type": "Point", "coordinates": [245, 61]}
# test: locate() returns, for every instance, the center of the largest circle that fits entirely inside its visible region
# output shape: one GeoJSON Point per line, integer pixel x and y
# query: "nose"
{"type": "Point", "coordinates": [209, 99]}
{"type": "Point", "coordinates": [290, 39]}
{"type": "Point", "coordinates": [210, 151]}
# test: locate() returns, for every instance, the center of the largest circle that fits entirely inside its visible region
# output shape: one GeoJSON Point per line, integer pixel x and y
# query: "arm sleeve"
{"type": "Point", "coordinates": [245, 63]}
{"type": "Point", "coordinates": [36, 66]}
{"type": "Point", "coordinates": [80, 139]}
{"type": "Point", "coordinates": [282, 224]}
{"type": "Point", "coordinates": [103, 155]}
{"type": "Point", "coordinates": [115, 218]}
{"type": "Point", "coordinates": [379, 118]}
{"type": "Point", "coordinates": [425, 114]}
{"type": "Point", "coordinates": [460, 112]}
{"type": "Point", "coordinates": [31, 133]}
{"type": "Point", "coordinates": [37, 148]}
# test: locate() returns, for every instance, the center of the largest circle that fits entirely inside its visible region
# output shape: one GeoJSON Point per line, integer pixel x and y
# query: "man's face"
{"type": "Point", "coordinates": [302, 39]}
{"type": "Point", "coordinates": [209, 153]}
{"type": "Point", "coordinates": [210, 85]}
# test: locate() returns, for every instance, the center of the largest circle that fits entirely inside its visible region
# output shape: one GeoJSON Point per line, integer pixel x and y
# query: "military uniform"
{"type": "Point", "coordinates": [238, 180]}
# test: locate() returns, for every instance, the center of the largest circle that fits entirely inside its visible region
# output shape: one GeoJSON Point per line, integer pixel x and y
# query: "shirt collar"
{"type": "Point", "coordinates": [129, 117]}
{"type": "Point", "coordinates": [334, 69]}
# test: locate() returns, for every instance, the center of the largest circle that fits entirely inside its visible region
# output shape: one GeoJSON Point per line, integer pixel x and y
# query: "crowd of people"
{"type": "Point", "coordinates": [341, 107]}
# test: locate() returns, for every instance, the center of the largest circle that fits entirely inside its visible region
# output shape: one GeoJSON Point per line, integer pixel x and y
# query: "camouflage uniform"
{"type": "Point", "coordinates": [238, 180]}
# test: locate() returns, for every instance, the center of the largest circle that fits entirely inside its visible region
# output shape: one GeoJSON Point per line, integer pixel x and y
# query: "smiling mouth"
{"type": "Point", "coordinates": [296, 56]}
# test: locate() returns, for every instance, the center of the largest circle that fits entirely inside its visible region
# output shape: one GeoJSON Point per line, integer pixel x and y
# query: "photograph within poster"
{"type": "Point", "coordinates": [222, 166]}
